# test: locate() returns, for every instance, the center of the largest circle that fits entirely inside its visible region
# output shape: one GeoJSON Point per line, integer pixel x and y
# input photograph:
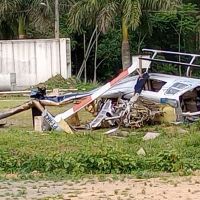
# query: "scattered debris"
{"type": "Point", "coordinates": [141, 152]}
{"type": "Point", "coordinates": [177, 123]}
{"type": "Point", "coordinates": [117, 132]}
{"type": "Point", "coordinates": [182, 131]}
{"type": "Point", "coordinates": [150, 136]}
{"type": "Point", "coordinates": [65, 127]}
{"type": "Point", "coordinates": [111, 131]}
{"type": "Point", "coordinates": [123, 133]}
{"type": "Point", "coordinates": [102, 115]}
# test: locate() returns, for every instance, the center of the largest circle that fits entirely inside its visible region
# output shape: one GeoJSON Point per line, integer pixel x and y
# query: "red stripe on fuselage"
{"type": "Point", "coordinates": [82, 103]}
{"type": "Point", "coordinates": [88, 99]}
{"type": "Point", "coordinates": [119, 77]}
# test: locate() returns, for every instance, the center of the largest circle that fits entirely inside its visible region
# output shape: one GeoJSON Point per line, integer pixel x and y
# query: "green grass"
{"type": "Point", "coordinates": [52, 154]}
{"type": "Point", "coordinates": [62, 154]}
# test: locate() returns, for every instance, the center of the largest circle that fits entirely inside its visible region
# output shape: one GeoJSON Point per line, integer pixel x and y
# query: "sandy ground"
{"type": "Point", "coordinates": [181, 188]}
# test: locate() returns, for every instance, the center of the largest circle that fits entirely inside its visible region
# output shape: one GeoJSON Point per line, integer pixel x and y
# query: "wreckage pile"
{"type": "Point", "coordinates": [123, 113]}
{"type": "Point", "coordinates": [108, 112]}
{"type": "Point", "coordinates": [143, 112]}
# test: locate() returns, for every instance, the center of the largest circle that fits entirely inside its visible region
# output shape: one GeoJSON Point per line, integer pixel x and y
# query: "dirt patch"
{"type": "Point", "coordinates": [71, 83]}
{"type": "Point", "coordinates": [184, 188]}
{"type": "Point", "coordinates": [59, 82]}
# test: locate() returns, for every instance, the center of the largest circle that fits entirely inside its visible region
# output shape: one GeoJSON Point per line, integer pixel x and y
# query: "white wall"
{"type": "Point", "coordinates": [34, 61]}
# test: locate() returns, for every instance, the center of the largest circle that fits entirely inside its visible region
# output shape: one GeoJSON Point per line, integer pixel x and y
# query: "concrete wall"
{"type": "Point", "coordinates": [33, 61]}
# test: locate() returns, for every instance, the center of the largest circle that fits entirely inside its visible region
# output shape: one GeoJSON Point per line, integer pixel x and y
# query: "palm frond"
{"type": "Point", "coordinates": [83, 13]}
{"type": "Point", "coordinates": [160, 4]}
{"type": "Point", "coordinates": [7, 6]}
{"type": "Point", "coordinates": [131, 11]}
{"type": "Point", "coordinates": [107, 15]}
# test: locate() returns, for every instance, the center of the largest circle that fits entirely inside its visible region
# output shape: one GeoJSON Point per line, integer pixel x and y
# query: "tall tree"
{"type": "Point", "coordinates": [104, 12]}
{"type": "Point", "coordinates": [24, 12]}
{"type": "Point", "coordinates": [184, 23]}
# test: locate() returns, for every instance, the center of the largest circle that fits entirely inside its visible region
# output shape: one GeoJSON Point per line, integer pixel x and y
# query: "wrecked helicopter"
{"type": "Point", "coordinates": [135, 97]}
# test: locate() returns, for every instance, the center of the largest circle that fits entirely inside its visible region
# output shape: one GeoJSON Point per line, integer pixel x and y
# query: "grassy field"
{"type": "Point", "coordinates": [28, 154]}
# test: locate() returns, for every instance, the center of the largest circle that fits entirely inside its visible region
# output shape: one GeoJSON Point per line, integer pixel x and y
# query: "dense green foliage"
{"type": "Point", "coordinates": [22, 152]}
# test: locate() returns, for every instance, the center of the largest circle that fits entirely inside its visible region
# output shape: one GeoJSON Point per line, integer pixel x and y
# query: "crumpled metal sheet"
{"type": "Point", "coordinates": [125, 113]}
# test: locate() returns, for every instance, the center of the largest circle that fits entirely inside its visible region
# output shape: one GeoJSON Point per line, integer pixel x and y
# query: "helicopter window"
{"type": "Point", "coordinates": [176, 87]}
{"type": "Point", "coordinates": [179, 85]}
{"type": "Point", "coordinates": [172, 91]}
{"type": "Point", "coordinates": [154, 85]}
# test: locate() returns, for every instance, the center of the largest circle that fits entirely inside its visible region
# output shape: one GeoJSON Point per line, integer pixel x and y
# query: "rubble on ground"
{"type": "Point", "coordinates": [141, 152]}
{"type": "Point", "coordinates": [150, 136]}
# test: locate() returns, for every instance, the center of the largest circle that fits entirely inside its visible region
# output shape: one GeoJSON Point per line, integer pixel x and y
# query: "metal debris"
{"type": "Point", "coordinates": [114, 130]}
{"type": "Point", "coordinates": [150, 136]}
{"type": "Point", "coordinates": [105, 111]}
{"type": "Point", "coordinates": [141, 152]}
{"type": "Point", "coordinates": [125, 114]}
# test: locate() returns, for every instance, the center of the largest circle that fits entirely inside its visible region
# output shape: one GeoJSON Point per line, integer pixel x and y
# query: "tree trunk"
{"type": "Point", "coordinates": [140, 41]}
{"type": "Point", "coordinates": [57, 28]}
{"type": "Point", "coordinates": [179, 45]}
{"type": "Point", "coordinates": [126, 57]}
{"type": "Point", "coordinates": [89, 48]}
{"type": "Point", "coordinates": [179, 50]}
{"type": "Point", "coordinates": [22, 27]}
{"type": "Point", "coordinates": [95, 60]}
{"type": "Point", "coordinates": [84, 49]}
{"type": "Point", "coordinates": [198, 47]}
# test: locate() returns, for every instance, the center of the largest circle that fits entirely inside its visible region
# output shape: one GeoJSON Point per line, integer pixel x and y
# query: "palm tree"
{"type": "Point", "coordinates": [104, 12]}
{"type": "Point", "coordinates": [24, 12]}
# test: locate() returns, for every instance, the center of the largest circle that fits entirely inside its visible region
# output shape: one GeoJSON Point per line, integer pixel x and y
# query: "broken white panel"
{"type": "Point", "coordinates": [145, 63]}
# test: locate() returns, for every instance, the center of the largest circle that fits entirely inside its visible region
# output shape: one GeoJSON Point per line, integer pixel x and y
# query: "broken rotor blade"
{"type": "Point", "coordinates": [25, 106]}
{"type": "Point", "coordinates": [50, 120]}
{"type": "Point", "coordinates": [96, 94]}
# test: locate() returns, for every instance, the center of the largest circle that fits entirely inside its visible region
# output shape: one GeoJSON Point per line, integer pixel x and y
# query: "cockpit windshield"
{"type": "Point", "coordinates": [176, 87]}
